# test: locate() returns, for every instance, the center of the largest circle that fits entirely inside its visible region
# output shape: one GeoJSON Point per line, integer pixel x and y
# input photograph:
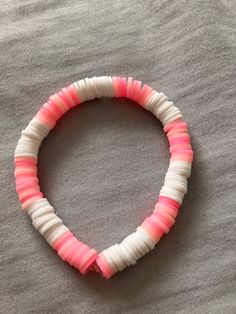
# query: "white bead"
{"type": "Point", "coordinates": [90, 88]}
{"type": "Point", "coordinates": [49, 224]}
{"type": "Point", "coordinates": [180, 167]}
{"type": "Point", "coordinates": [146, 238]}
{"type": "Point", "coordinates": [171, 115]}
{"type": "Point", "coordinates": [42, 211]}
{"type": "Point", "coordinates": [109, 86]}
{"type": "Point", "coordinates": [82, 90]}
{"type": "Point", "coordinates": [130, 247]}
{"type": "Point", "coordinates": [154, 101]}
{"type": "Point", "coordinates": [117, 258]}
{"type": "Point", "coordinates": [136, 253]}
{"type": "Point", "coordinates": [55, 232]}
{"type": "Point", "coordinates": [160, 111]}
{"type": "Point", "coordinates": [39, 221]}
{"type": "Point", "coordinates": [99, 87]}
{"type": "Point", "coordinates": [127, 252]}
{"type": "Point", "coordinates": [172, 193]}
{"type": "Point", "coordinates": [36, 205]}
{"type": "Point", "coordinates": [140, 244]}
{"type": "Point", "coordinates": [109, 258]}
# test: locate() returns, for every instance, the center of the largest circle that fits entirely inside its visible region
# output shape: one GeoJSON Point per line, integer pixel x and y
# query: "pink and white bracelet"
{"type": "Point", "coordinates": [43, 215]}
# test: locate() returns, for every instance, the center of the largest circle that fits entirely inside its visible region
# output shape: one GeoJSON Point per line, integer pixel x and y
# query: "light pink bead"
{"type": "Point", "coordinates": [104, 266]}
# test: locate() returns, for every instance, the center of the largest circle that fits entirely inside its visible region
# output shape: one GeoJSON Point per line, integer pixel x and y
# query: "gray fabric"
{"type": "Point", "coordinates": [103, 165]}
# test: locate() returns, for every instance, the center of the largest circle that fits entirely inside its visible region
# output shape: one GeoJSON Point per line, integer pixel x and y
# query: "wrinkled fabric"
{"type": "Point", "coordinates": [103, 165]}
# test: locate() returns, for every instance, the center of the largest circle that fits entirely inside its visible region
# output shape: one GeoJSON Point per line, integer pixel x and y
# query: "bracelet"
{"type": "Point", "coordinates": [43, 215]}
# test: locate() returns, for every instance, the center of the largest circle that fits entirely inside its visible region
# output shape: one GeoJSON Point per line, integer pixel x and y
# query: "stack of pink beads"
{"type": "Point", "coordinates": [43, 215]}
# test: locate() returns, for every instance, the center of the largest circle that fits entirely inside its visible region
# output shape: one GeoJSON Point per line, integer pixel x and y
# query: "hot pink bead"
{"type": "Point", "coordinates": [27, 160]}
{"type": "Point", "coordinates": [123, 86]}
{"type": "Point", "coordinates": [167, 200]}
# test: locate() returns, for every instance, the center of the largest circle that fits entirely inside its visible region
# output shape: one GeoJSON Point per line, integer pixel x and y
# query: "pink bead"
{"type": "Point", "coordinates": [27, 191]}
{"type": "Point", "coordinates": [172, 135]}
{"type": "Point", "coordinates": [55, 108]}
{"type": "Point", "coordinates": [36, 194]}
{"type": "Point", "coordinates": [45, 120]}
{"type": "Point", "coordinates": [67, 244]}
{"type": "Point", "coordinates": [30, 160]}
{"type": "Point", "coordinates": [73, 253]}
{"type": "Point", "coordinates": [83, 249]}
{"type": "Point", "coordinates": [65, 96]}
{"type": "Point", "coordinates": [104, 266]}
{"type": "Point", "coordinates": [177, 147]}
{"type": "Point", "coordinates": [59, 103]}
{"type": "Point", "coordinates": [164, 219]}
{"type": "Point", "coordinates": [165, 214]}
{"type": "Point", "coordinates": [133, 90]}
{"type": "Point", "coordinates": [116, 86]}
{"type": "Point", "coordinates": [22, 171]}
{"type": "Point", "coordinates": [182, 158]}
{"type": "Point", "coordinates": [30, 201]}
{"type": "Point", "coordinates": [123, 86]}
{"type": "Point", "coordinates": [137, 90]}
{"type": "Point", "coordinates": [129, 87]}
{"type": "Point", "coordinates": [170, 211]}
{"type": "Point", "coordinates": [178, 123]}
{"type": "Point", "coordinates": [51, 107]}
{"type": "Point", "coordinates": [70, 252]}
{"type": "Point", "coordinates": [48, 115]}
{"type": "Point", "coordinates": [160, 223]}
{"type": "Point", "coordinates": [179, 141]}
{"type": "Point", "coordinates": [77, 256]}
{"type": "Point", "coordinates": [152, 232]}
{"type": "Point", "coordinates": [59, 242]}
{"type": "Point", "coordinates": [155, 231]}
{"type": "Point", "coordinates": [87, 261]}
{"type": "Point", "coordinates": [25, 175]}
{"type": "Point", "coordinates": [74, 93]}
{"type": "Point", "coordinates": [24, 185]}
{"type": "Point", "coordinates": [145, 92]}
{"type": "Point", "coordinates": [168, 201]}
{"type": "Point", "coordinates": [20, 180]}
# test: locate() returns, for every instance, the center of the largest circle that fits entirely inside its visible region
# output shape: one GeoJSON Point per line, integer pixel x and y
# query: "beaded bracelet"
{"type": "Point", "coordinates": [43, 215]}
